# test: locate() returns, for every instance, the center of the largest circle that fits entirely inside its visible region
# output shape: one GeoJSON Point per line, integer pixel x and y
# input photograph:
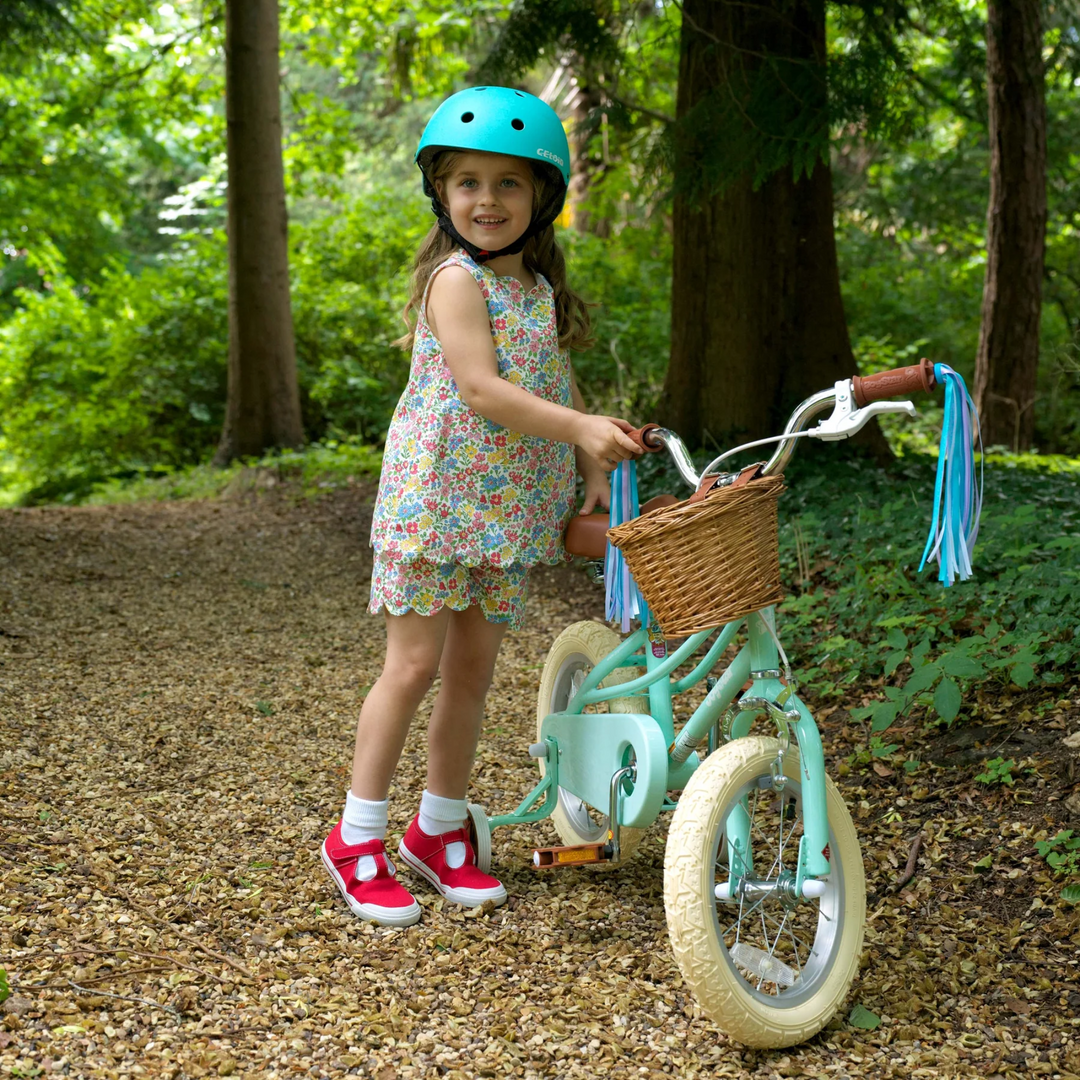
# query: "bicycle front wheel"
{"type": "Point", "coordinates": [770, 968]}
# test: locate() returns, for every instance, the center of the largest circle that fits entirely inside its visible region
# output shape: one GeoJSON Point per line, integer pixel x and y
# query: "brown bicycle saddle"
{"type": "Point", "coordinates": [586, 535]}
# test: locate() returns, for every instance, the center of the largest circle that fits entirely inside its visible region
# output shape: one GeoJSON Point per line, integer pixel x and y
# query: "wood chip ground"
{"type": "Point", "coordinates": [178, 688]}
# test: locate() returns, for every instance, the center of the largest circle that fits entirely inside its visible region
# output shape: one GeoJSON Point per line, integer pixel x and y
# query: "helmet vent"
{"type": "Point", "coordinates": [517, 125]}
{"type": "Point", "coordinates": [466, 118]}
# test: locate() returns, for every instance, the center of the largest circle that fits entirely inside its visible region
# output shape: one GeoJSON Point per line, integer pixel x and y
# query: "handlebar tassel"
{"type": "Point", "coordinates": [958, 488]}
{"type": "Point", "coordinates": [622, 599]}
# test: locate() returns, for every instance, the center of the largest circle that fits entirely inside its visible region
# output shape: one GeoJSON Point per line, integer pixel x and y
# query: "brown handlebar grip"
{"type": "Point", "coordinates": [641, 437]}
{"type": "Point", "coordinates": [896, 383]}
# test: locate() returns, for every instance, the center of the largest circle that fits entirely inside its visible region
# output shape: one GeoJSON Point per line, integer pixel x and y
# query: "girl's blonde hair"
{"type": "Point", "coordinates": [541, 254]}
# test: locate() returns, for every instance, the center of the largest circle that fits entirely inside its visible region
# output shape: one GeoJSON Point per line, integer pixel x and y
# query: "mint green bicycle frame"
{"type": "Point", "coordinates": [585, 750]}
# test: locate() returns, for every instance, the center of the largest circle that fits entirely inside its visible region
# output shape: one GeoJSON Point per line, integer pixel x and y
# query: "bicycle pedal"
{"type": "Point", "coordinates": [552, 858]}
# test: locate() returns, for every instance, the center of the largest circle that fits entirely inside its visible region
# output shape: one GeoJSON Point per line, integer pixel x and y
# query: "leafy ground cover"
{"type": "Point", "coordinates": [178, 688]}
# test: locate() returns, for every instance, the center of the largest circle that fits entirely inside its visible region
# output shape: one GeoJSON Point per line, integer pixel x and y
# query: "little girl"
{"type": "Point", "coordinates": [477, 481]}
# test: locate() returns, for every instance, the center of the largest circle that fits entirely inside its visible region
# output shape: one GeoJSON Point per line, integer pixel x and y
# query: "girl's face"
{"type": "Point", "coordinates": [489, 198]}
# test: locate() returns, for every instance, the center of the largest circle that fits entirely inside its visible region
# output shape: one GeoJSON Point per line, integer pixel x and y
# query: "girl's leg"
{"type": "Point", "coordinates": [414, 644]}
{"type": "Point", "coordinates": [433, 845]}
{"type": "Point", "coordinates": [354, 853]}
{"type": "Point", "coordinates": [469, 653]}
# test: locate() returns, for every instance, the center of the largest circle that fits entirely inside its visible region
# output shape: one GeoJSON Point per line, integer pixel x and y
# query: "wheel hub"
{"type": "Point", "coordinates": [752, 889]}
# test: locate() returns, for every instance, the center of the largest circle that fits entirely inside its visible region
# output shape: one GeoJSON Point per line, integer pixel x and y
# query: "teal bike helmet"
{"type": "Point", "coordinates": [499, 120]}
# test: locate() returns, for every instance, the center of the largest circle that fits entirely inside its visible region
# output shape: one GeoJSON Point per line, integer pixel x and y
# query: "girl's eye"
{"type": "Point", "coordinates": [509, 183]}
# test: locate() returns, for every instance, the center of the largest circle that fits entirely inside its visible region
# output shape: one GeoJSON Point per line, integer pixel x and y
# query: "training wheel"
{"type": "Point", "coordinates": [480, 836]}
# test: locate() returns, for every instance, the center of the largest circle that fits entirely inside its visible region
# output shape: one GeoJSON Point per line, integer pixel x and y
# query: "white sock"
{"type": "Point", "coordinates": [364, 820]}
{"type": "Point", "coordinates": [438, 816]}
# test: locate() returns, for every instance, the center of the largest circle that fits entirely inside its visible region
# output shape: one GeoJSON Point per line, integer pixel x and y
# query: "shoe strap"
{"type": "Point", "coordinates": [384, 868]}
{"type": "Point", "coordinates": [368, 847]}
{"type": "Point", "coordinates": [459, 836]}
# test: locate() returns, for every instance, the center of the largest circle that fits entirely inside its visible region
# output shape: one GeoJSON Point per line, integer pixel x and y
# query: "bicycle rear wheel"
{"type": "Point", "coordinates": [573, 654]}
{"type": "Point", "coordinates": [768, 967]}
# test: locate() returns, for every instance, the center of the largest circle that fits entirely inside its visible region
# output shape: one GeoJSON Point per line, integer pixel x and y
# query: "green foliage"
{"type": "Point", "coordinates": [32, 23]}
{"type": "Point", "coordinates": [420, 47]}
{"type": "Point", "coordinates": [862, 1018]}
{"type": "Point", "coordinates": [865, 617]}
{"type": "Point", "coordinates": [997, 771]}
{"type": "Point", "coordinates": [317, 468]}
{"type": "Point", "coordinates": [1062, 853]}
{"type": "Point", "coordinates": [100, 127]}
{"type": "Point", "coordinates": [628, 276]}
{"type": "Point", "coordinates": [533, 26]}
{"type": "Point", "coordinates": [876, 748]}
{"type": "Point", "coordinates": [361, 78]}
{"type": "Point", "coordinates": [5, 990]}
{"type": "Point", "coordinates": [911, 214]}
{"type": "Point", "coordinates": [113, 330]}
{"type": "Point", "coordinates": [350, 281]}
{"type": "Point", "coordinates": [117, 381]}
{"type": "Point", "coordinates": [128, 379]}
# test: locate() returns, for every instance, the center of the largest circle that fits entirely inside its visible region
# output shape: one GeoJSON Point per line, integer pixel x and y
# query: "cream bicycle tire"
{"type": "Point", "coordinates": [702, 934]}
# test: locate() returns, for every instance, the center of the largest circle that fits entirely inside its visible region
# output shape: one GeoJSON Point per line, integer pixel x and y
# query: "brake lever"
{"type": "Point", "coordinates": [846, 419]}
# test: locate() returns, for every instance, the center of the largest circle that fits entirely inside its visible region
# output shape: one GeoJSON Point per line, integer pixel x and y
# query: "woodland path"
{"type": "Point", "coordinates": [178, 689]}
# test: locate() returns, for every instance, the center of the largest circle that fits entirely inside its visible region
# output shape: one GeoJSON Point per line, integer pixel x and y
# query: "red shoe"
{"type": "Point", "coordinates": [465, 884]}
{"type": "Point", "coordinates": [380, 899]}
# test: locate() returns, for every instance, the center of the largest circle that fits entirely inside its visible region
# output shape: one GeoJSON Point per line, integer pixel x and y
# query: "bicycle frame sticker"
{"type": "Point", "coordinates": [659, 649]}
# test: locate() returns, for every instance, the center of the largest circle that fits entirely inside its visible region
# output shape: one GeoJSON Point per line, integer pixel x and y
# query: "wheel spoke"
{"type": "Point", "coordinates": [743, 915]}
{"type": "Point", "coordinates": [795, 950]}
{"type": "Point", "coordinates": [774, 930]}
{"type": "Point", "coordinates": [791, 933]}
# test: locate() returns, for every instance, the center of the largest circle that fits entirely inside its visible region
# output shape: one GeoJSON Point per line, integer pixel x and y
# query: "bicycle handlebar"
{"type": "Point", "coordinates": [641, 437]}
{"type": "Point", "coordinates": [864, 390]}
{"type": "Point", "coordinates": [899, 382]}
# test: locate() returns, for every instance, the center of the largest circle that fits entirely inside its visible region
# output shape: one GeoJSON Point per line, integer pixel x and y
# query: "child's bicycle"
{"type": "Point", "coordinates": [763, 877]}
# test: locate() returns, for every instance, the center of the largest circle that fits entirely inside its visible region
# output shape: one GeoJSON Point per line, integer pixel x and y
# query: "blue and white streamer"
{"type": "Point", "coordinates": [624, 602]}
{"type": "Point", "coordinates": [957, 488]}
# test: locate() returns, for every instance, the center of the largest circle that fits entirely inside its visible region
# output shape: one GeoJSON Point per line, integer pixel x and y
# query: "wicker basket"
{"type": "Point", "coordinates": [702, 564]}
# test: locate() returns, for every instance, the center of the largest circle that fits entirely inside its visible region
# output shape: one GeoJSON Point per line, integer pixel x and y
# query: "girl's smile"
{"type": "Point", "coordinates": [489, 198]}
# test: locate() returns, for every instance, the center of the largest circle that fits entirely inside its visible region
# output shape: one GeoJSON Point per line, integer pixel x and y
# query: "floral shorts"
{"type": "Point", "coordinates": [427, 587]}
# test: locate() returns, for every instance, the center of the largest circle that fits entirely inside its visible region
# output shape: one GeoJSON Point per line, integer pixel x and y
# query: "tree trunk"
{"type": "Point", "coordinates": [263, 408]}
{"type": "Point", "coordinates": [757, 317]}
{"type": "Point", "coordinates": [587, 165]}
{"type": "Point", "coordinates": [1008, 357]}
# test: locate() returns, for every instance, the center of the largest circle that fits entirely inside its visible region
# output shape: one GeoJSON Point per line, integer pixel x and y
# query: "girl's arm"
{"type": "Point", "coordinates": [458, 316]}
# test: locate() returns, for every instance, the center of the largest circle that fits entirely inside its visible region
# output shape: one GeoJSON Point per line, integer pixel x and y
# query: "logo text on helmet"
{"type": "Point", "coordinates": [541, 152]}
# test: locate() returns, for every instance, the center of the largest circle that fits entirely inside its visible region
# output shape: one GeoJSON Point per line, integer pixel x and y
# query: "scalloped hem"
{"type": "Point", "coordinates": [399, 558]}
{"type": "Point", "coordinates": [438, 605]}
{"type": "Point", "coordinates": [416, 585]}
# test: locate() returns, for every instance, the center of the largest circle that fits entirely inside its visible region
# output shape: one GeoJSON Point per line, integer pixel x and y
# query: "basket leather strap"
{"type": "Point", "coordinates": [708, 483]}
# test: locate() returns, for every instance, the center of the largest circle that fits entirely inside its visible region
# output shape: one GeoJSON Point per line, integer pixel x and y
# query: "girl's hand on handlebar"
{"type": "Point", "coordinates": [605, 440]}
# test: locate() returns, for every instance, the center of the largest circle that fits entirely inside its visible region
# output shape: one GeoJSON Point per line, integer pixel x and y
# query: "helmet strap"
{"type": "Point", "coordinates": [479, 255]}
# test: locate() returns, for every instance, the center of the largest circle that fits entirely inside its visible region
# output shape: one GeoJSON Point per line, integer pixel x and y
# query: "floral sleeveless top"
{"type": "Point", "coordinates": [457, 487]}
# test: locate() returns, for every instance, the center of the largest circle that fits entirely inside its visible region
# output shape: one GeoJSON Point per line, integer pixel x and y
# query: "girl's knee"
{"type": "Point", "coordinates": [472, 680]}
{"type": "Point", "coordinates": [411, 673]}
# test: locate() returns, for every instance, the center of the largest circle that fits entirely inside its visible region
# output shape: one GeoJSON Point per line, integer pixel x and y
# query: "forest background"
{"type": "Point", "coordinates": [114, 280]}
